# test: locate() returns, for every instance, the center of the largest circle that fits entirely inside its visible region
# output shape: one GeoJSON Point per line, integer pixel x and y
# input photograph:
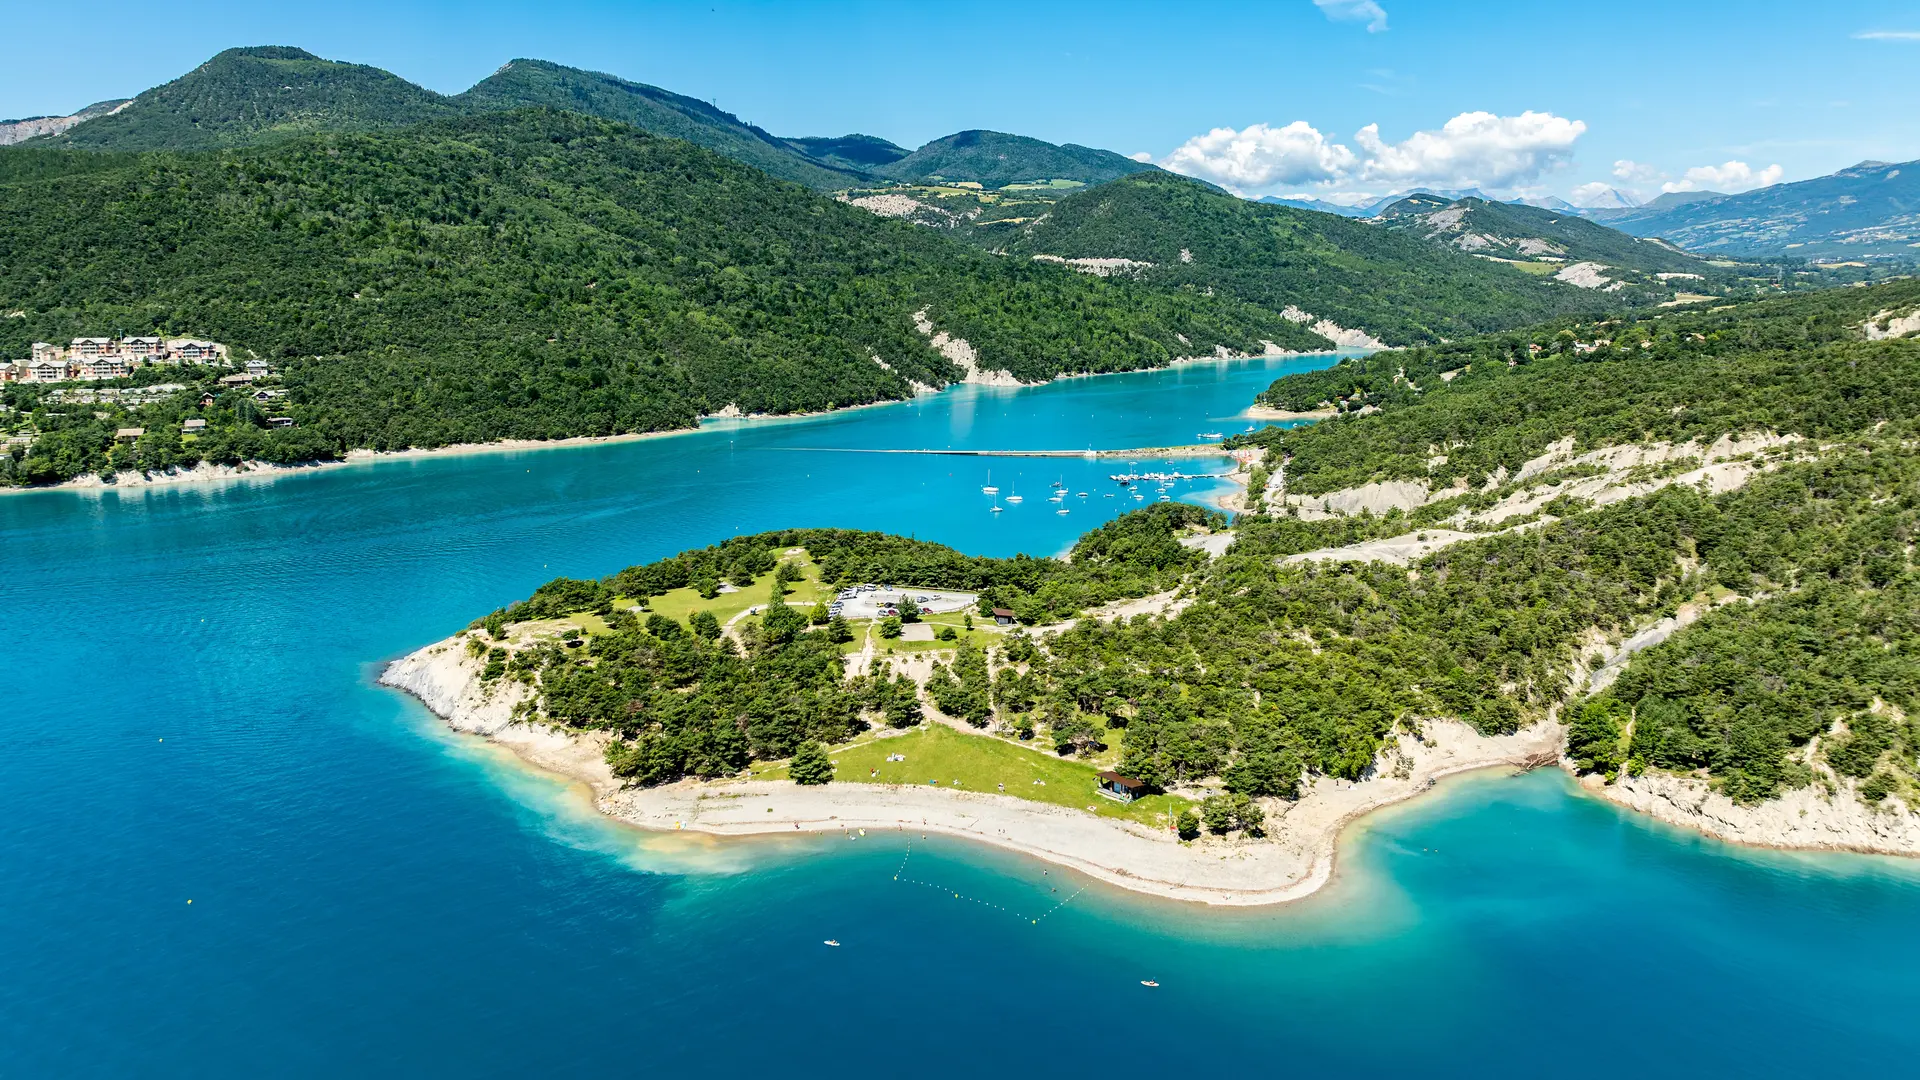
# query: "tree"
{"type": "Point", "coordinates": [890, 627]}
{"type": "Point", "coordinates": [705, 624]}
{"type": "Point", "coordinates": [1187, 824]}
{"type": "Point", "coordinates": [810, 765]}
{"type": "Point", "coordinates": [1593, 739]}
{"type": "Point", "coordinates": [707, 587]}
{"type": "Point", "coordinates": [819, 616]}
{"type": "Point", "coordinates": [1217, 812]}
{"type": "Point", "coordinates": [839, 630]}
{"type": "Point", "coordinates": [784, 575]}
{"type": "Point", "coordinates": [903, 703]}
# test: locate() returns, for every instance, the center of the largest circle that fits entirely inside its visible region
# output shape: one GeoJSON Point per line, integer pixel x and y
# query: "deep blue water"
{"type": "Point", "coordinates": [191, 716]}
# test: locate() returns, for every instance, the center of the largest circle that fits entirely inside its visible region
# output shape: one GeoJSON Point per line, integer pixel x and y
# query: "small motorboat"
{"type": "Point", "coordinates": [1143, 982]}
{"type": "Point", "coordinates": [1211, 434]}
{"type": "Point", "coordinates": [836, 945]}
{"type": "Point", "coordinates": [1079, 494]}
{"type": "Point", "coordinates": [1063, 510]}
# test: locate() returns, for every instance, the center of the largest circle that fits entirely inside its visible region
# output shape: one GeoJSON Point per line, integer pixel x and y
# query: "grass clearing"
{"type": "Point", "coordinates": [939, 754]}
{"type": "Point", "coordinates": [680, 604]}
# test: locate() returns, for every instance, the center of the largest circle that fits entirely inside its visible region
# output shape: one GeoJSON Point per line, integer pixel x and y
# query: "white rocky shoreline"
{"type": "Point", "coordinates": [1295, 860]}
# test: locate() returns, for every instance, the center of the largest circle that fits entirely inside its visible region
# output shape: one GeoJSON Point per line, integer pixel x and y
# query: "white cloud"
{"type": "Point", "coordinates": [1366, 11]}
{"type": "Point", "coordinates": [1873, 35]}
{"type": "Point", "coordinates": [1260, 156]}
{"type": "Point", "coordinates": [1636, 172]}
{"type": "Point", "coordinates": [1141, 156]}
{"type": "Point", "coordinates": [1475, 148]}
{"type": "Point", "coordinates": [1732, 176]}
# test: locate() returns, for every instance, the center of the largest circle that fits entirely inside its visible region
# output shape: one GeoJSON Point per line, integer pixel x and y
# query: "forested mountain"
{"type": "Point", "coordinates": [523, 83]}
{"type": "Point", "coordinates": [1528, 234]}
{"type": "Point", "coordinates": [533, 274]}
{"type": "Point", "coordinates": [864, 152]}
{"type": "Point", "coordinates": [1870, 210]}
{"type": "Point", "coordinates": [251, 95]}
{"type": "Point", "coordinates": [1396, 287]}
{"type": "Point", "coordinates": [994, 160]}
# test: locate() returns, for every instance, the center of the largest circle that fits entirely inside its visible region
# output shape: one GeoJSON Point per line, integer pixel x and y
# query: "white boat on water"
{"type": "Point", "coordinates": [989, 489]}
{"type": "Point", "coordinates": [1211, 434]}
{"type": "Point", "coordinates": [1016, 497]}
{"type": "Point", "coordinates": [1063, 510]}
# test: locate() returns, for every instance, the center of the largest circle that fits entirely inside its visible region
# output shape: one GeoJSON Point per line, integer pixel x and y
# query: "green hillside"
{"type": "Point", "coordinates": [1526, 233]}
{"type": "Point", "coordinates": [1806, 673]}
{"type": "Point", "coordinates": [1397, 287]}
{"type": "Point", "coordinates": [524, 83]}
{"type": "Point", "coordinates": [533, 275]}
{"type": "Point", "coordinates": [252, 95]}
{"type": "Point", "coordinates": [1795, 364]}
{"type": "Point", "coordinates": [994, 159]}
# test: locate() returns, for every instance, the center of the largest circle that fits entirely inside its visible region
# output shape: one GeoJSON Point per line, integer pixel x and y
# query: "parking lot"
{"type": "Point", "coordinates": [876, 601]}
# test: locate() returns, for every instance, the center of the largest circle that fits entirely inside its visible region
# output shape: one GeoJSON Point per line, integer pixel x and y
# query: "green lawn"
{"type": "Point", "coordinates": [981, 762]}
{"type": "Point", "coordinates": [682, 603]}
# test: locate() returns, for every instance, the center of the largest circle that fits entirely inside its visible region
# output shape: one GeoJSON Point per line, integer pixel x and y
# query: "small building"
{"type": "Point", "coordinates": [143, 347]}
{"type": "Point", "coordinates": [1121, 788]}
{"type": "Point", "coordinates": [128, 434]}
{"type": "Point", "coordinates": [91, 346]}
{"type": "Point", "coordinates": [44, 351]}
{"type": "Point", "coordinates": [279, 421]}
{"type": "Point", "coordinates": [206, 401]}
{"type": "Point", "coordinates": [238, 378]}
{"type": "Point", "coordinates": [258, 368]}
{"type": "Point", "coordinates": [1003, 617]}
{"type": "Point", "coordinates": [194, 426]}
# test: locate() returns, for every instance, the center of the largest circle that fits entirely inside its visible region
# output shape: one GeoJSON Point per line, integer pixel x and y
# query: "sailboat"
{"type": "Point", "coordinates": [1015, 496]}
{"type": "Point", "coordinates": [989, 489]}
{"type": "Point", "coordinates": [996, 504]}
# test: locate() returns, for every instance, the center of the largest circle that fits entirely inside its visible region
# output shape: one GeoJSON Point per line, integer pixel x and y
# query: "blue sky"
{"type": "Point", "coordinates": [1317, 96]}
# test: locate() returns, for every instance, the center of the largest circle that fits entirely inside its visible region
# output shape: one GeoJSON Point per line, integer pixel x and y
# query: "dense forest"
{"type": "Point", "coordinates": [536, 275]}
{"type": "Point", "coordinates": [1796, 364]}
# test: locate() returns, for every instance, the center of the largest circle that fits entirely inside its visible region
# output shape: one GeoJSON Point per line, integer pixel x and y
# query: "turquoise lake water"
{"type": "Point", "coordinates": [192, 716]}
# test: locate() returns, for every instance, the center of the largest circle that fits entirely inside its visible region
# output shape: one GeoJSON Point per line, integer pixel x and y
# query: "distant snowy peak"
{"type": "Point", "coordinates": [1605, 199]}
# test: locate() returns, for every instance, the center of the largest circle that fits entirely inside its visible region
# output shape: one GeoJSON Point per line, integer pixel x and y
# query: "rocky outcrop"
{"type": "Point", "coordinates": [1809, 818]}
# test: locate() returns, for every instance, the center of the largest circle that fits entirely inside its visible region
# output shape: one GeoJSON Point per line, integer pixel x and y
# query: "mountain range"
{"type": "Point", "coordinates": [248, 96]}
{"type": "Point", "coordinates": [1868, 211]}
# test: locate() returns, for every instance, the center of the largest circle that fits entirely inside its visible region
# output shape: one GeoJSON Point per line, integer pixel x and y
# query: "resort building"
{"type": "Point", "coordinates": [46, 371]}
{"type": "Point", "coordinates": [90, 346]}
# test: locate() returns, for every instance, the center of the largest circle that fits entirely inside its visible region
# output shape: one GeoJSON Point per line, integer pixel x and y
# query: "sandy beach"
{"type": "Point", "coordinates": [1295, 859]}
